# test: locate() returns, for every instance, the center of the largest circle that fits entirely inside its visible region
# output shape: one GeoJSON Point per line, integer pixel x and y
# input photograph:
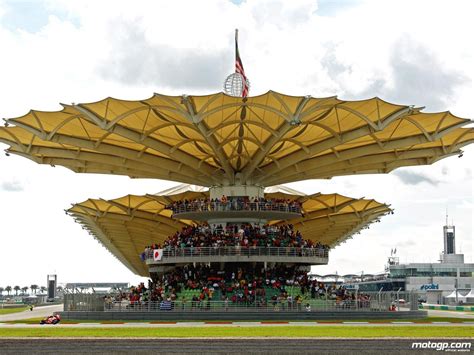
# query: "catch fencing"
{"type": "Point", "coordinates": [365, 302]}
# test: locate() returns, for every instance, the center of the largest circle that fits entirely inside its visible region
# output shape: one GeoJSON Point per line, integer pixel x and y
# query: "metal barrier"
{"type": "Point", "coordinates": [363, 302]}
{"type": "Point", "coordinates": [234, 206]}
{"type": "Point", "coordinates": [86, 302]}
{"type": "Point", "coordinates": [258, 306]}
{"type": "Point", "coordinates": [198, 252]}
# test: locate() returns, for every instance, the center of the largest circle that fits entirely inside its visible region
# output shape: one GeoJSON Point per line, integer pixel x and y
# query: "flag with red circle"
{"type": "Point", "coordinates": [157, 254]}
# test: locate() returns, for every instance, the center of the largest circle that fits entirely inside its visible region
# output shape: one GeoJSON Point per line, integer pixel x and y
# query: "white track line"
{"type": "Point", "coordinates": [355, 322]}
{"type": "Point", "coordinates": [402, 322]}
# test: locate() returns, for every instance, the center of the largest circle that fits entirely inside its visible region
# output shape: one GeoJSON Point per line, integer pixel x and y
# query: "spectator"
{"type": "Point", "coordinates": [244, 235]}
{"type": "Point", "coordinates": [236, 203]}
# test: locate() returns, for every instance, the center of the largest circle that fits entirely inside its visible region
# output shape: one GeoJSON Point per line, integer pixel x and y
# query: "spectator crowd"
{"type": "Point", "coordinates": [281, 287]}
{"type": "Point", "coordinates": [234, 203]}
{"type": "Point", "coordinates": [235, 235]}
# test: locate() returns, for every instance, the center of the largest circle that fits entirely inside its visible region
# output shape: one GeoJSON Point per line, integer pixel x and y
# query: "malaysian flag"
{"type": "Point", "coordinates": [239, 68]}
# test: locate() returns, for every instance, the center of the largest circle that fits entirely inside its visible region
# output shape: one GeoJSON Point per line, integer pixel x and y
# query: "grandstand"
{"type": "Point", "coordinates": [232, 218]}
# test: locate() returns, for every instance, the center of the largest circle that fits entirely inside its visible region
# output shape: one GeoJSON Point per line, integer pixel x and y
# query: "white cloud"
{"type": "Point", "coordinates": [417, 52]}
{"type": "Point", "coordinates": [13, 185]}
{"type": "Point", "coordinates": [412, 178]}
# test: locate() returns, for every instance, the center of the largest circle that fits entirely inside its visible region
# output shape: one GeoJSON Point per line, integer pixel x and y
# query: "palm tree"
{"type": "Point", "coordinates": [1, 290]}
{"type": "Point", "coordinates": [16, 288]}
{"type": "Point", "coordinates": [34, 288]}
{"type": "Point", "coordinates": [43, 288]}
{"type": "Point", "coordinates": [8, 289]}
{"type": "Point", "coordinates": [24, 289]}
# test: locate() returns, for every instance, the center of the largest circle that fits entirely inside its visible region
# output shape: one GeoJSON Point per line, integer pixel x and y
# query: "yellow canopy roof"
{"type": "Point", "coordinates": [218, 139]}
{"type": "Point", "coordinates": [125, 226]}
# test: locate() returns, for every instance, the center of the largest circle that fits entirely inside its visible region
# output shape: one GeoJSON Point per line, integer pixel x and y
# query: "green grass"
{"type": "Point", "coordinates": [334, 331]}
{"type": "Point", "coordinates": [9, 310]}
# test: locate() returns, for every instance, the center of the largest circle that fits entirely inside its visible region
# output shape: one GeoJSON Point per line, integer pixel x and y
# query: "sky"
{"type": "Point", "coordinates": [406, 52]}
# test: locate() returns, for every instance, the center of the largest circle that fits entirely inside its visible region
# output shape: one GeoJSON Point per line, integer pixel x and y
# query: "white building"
{"type": "Point", "coordinates": [438, 280]}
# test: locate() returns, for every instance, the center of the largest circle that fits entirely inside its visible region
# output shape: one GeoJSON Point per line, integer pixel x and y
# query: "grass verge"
{"type": "Point", "coordinates": [9, 310]}
{"type": "Point", "coordinates": [247, 332]}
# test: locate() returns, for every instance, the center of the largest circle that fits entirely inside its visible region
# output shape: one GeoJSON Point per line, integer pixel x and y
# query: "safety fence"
{"type": "Point", "coordinates": [367, 301]}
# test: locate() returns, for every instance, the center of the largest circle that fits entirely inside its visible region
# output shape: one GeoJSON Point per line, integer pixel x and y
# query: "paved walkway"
{"type": "Point", "coordinates": [37, 312]}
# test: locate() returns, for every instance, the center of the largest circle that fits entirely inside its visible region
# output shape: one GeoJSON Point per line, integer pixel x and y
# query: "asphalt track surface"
{"type": "Point", "coordinates": [235, 325]}
{"type": "Point", "coordinates": [216, 346]}
{"type": "Point", "coordinates": [452, 314]}
{"type": "Point", "coordinates": [43, 311]}
{"type": "Point", "coordinates": [37, 312]}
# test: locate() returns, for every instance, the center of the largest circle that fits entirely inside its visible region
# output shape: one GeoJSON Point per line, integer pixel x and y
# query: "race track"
{"type": "Point", "coordinates": [40, 311]}
{"type": "Point", "coordinates": [214, 346]}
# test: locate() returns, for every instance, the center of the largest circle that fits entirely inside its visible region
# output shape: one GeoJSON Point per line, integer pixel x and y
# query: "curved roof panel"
{"type": "Point", "coordinates": [217, 139]}
{"type": "Point", "coordinates": [126, 225]}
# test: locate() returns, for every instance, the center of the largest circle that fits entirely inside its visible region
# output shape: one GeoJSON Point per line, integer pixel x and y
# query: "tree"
{"type": "Point", "coordinates": [8, 289]}
{"type": "Point", "coordinates": [43, 289]}
{"type": "Point", "coordinates": [24, 289]}
{"type": "Point", "coordinates": [1, 290]}
{"type": "Point", "coordinates": [34, 288]}
{"type": "Point", "coordinates": [16, 288]}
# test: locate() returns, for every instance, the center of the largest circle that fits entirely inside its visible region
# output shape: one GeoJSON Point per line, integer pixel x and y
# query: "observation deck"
{"type": "Point", "coordinates": [295, 255]}
{"type": "Point", "coordinates": [236, 211]}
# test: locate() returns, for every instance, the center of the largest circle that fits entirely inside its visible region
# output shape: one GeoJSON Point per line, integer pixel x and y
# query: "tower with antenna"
{"type": "Point", "coordinates": [449, 239]}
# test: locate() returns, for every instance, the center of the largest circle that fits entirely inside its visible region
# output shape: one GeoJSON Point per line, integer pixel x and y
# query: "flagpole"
{"type": "Point", "coordinates": [236, 44]}
{"type": "Point", "coordinates": [237, 83]}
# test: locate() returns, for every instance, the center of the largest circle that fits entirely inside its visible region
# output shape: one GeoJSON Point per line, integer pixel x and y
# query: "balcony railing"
{"type": "Point", "coordinates": [235, 206]}
{"type": "Point", "coordinates": [205, 252]}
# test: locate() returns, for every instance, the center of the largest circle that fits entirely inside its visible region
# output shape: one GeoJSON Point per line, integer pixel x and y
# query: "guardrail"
{"type": "Point", "coordinates": [234, 206]}
{"type": "Point", "coordinates": [200, 252]}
